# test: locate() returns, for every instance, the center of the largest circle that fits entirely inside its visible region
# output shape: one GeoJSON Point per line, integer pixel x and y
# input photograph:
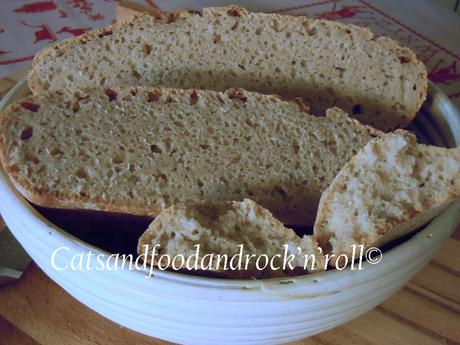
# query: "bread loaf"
{"type": "Point", "coordinates": [391, 187]}
{"type": "Point", "coordinates": [140, 150]}
{"type": "Point", "coordinates": [220, 228]}
{"type": "Point", "coordinates": [326, 63]}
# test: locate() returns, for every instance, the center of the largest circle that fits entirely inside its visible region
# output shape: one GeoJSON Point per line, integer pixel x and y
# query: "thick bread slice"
{"type": "Point", "coordinates": [392, 186]}
{"type": "Point", "coordinates": [325, 62]}
{"type": "Point", "coordinates": [220, 228]}
{"type": "Point", "coordinates": [141, 150]}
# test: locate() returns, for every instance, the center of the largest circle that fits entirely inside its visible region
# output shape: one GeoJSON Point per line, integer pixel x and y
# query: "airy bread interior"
{"type": "Point", "coordinates": [219, 228]}
{"type": "Point", "coordinates": [324, 62]}
{"type": "Point", "coordinates": [141, 150]}
{"type": "Point", "coordinates": [392, 186]}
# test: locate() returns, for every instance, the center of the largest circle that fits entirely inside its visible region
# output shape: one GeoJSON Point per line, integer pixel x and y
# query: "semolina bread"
{"type": "Point", "coordinates": [326, 63]}
{"type": "Point", "coordinates": [140, 150]}
{"type": "Point", "coordinates": [221, 228]}
{"type": "Point", "coordinates": [391, 187]}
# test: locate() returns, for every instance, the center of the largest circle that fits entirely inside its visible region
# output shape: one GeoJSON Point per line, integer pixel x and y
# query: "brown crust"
{"type": "Point", "coordinates": [405, 55]}
{"type": "Point", "coordinates": [58, 200]}
{"type": "Point", "coordinates": [380, 235]}
{"type": "Point", "coordinates": [320, 228]}
{"type": "Point", "coordinates": [48, 52]}
{"type": "Point", "coordinates": [173, 214]}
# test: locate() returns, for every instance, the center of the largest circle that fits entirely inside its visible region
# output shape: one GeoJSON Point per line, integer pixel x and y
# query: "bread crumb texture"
{"type": "Point", "coordinates": [140, 150]}
{"type": "Point", "coordinates": [391, 187]}
{"type": "Point", "coordinates": [220, 228]}
{"type": "Point", "coordinates": [324, 62]}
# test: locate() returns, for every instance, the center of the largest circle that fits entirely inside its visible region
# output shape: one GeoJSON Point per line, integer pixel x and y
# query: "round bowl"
{"type": "Point", "coordinates": [197, 310]}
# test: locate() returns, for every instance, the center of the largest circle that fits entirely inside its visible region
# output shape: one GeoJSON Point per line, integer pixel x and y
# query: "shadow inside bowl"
{"type": "Point", "coordinates": [118, 233]}
{"type": "Point", "coordinates": [109, 231]}
{"type": "Point", "coordinates": [112, 232]}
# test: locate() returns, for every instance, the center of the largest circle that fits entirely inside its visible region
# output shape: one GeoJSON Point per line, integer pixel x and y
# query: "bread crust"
{"type": "Point", "coordinates": [415, 70]}
{"type": "Point", "coordinates": [59, 199]}
{"type": "Point", "coordinates": [219, 228]}
{"type": "Point", "coordinates": [329, 237]}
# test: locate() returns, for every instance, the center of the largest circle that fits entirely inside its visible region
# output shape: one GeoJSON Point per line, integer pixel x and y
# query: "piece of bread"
{"type": "Point", "coordinates": [140, 150]}
{"type": "Point", "coordinates": [220, 228]}
{"type": "Point", "coordinates": [391, 187]}
{"type": "Point", "coordinates": [326, 63]}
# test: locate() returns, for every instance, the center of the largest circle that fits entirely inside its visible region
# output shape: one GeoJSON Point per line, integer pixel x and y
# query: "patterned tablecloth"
{"type": "Point", "coordinates": [431, 30]}
{"type": "Point", "coordinates": [26, 26]}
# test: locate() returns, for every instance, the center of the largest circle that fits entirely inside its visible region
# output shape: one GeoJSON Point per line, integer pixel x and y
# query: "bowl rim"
{"type": "Point", "coordinates": [327, 282]}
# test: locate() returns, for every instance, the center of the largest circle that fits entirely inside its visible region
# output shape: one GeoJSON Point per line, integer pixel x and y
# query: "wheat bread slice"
{"type": "Point", "coordinates": [140, 150]}
{"type": "Point", "coordinates": [228, 229]}
{"type": "Point", "coordinates": [391, 187]}
{"type": "Point", "coordinates": [326, 63]}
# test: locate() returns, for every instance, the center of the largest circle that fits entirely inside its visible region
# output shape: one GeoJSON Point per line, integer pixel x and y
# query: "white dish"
{"type": "Point", "coordinates": [196, 310]}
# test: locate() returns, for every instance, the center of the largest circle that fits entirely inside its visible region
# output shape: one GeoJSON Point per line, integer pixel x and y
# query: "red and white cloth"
{"type": "Point", "coordinates": [431, 30]}
{"type": "Point", "coordinates": [26, 26]}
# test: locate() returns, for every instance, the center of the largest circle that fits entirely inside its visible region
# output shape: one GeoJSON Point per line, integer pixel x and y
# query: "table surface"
{"type": "Point", "coordinates": [426, 311]}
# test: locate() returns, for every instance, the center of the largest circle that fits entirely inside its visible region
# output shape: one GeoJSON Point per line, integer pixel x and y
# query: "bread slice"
{"type": "Point", "coordinates": [225, 228]}
{"type": "Point", "coordinates": [140, 150]}
{"type": "Point", "coordinates": [326, 63]}
{"type": "Point", "coordinates": [391, 187]}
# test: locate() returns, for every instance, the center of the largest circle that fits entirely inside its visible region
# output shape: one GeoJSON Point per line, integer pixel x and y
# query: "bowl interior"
{"type": "Point", "coordinates": [437, 123]}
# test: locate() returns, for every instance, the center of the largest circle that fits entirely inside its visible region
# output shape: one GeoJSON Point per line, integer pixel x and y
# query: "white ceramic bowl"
{"type": "Point", "coordinates": [196, 310]}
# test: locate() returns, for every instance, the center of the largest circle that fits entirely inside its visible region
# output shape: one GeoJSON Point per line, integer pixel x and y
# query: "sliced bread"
{"type": "Point", "coordinates": [228, 229]}
{"type": "Point", "coordinates": [326, 63]}
{"type": "Point", "coordinates": [140, 150]}
{"type": "Point", "coordinates": [391, 187]}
